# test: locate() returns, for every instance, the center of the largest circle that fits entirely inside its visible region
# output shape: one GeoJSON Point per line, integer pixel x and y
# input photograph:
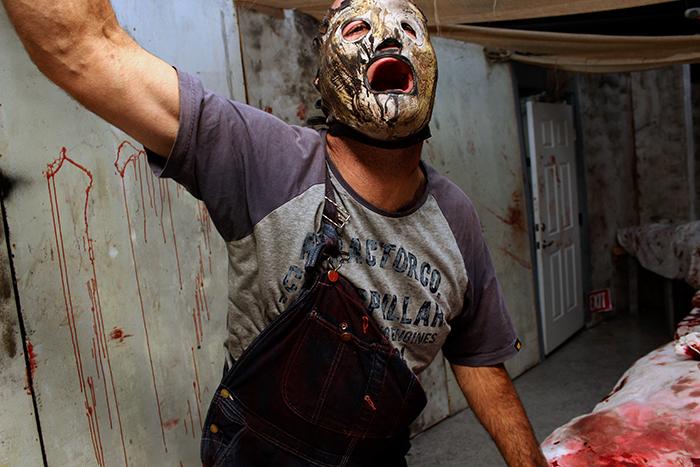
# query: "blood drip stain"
{"type": "Point", "coordinates": [135, 160]}
{"type": "Point", "coordinates": [32, 358]}
{"type": "Point", "coordinates": [99, 349]}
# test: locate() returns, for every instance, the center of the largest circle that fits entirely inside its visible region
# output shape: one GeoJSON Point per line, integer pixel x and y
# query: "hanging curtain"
{"type": "Point", "coordinates": [574, 52]}
{"type": "Point", "coordinates": [445, 12]}
{"type": "Point", "coordinates": [579, 52]}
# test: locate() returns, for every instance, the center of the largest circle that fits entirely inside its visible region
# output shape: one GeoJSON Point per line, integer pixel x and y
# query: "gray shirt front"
{"type": "Point", "coordinates": [425, 272]}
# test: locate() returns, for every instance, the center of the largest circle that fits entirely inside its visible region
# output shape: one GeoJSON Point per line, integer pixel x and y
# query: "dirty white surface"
{"type": "Point", "coordinates": [634, 151]}
{"type": "Point", "coordinates": [661, 145]}
{"type": "Point", "coordinates": [651, 417]}
{"type": "Point", "coordinates": [280, 63]}
{"type": "Point", "coordinates": [476, 144]}
{"type": "Point", "coordinates": [19, 438]}
{"type": "Point", "coordinates": [669, 250]}
{"type": "Point", "coordinates": [607, 142]}
{"type": "Point", "coordinates": [122, 278]}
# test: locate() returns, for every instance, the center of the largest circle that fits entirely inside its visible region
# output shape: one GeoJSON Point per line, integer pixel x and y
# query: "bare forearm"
{"type": "Point", "coordinates": [80, 46]}
{"type": "Point", "coordinates": [57, 34]}
{"type": "Point", "coordinates": [493, 400]}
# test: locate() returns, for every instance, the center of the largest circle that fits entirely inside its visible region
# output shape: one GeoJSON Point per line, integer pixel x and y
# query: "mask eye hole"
{"type": "Point", "coordinates": [355, 30]}
{"type": "Point", "coordinates": [409, 30]}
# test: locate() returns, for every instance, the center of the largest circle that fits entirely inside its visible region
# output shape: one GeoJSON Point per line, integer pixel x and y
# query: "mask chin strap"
{"type": "Point", "coordinates": [340, 129]}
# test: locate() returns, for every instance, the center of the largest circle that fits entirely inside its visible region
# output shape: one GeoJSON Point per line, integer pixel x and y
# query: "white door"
{"type": "Point", "coordinates": [552, 138]}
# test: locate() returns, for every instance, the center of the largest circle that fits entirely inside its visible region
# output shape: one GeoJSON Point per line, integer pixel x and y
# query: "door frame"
{"type": "Point", "coordinates": [570, 97]}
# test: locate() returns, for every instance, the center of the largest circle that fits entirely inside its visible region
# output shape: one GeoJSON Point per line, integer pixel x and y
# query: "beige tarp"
{"type": "Point", "coordinates": [580, 52]}
{"type": "Point", "coordinates": [575, 52]}
{"type": "Point", "coordinates": [446, 12]}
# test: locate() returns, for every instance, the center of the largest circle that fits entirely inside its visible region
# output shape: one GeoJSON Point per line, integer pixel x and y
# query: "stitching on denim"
{"type": "Point", "coordinates": [380, 385]}
{"type": "Point", "coordinates": [348, 452]}
{"type": "Point", "coordinates": [286, 448]}
{"type": "Point", "coordinates": [327, 383]}
{"type": "Point", "coordinates": [403, 402]}
{"type": "Point", "coordinates": [335, 426]}
{"type": "Point", "coordinates": [292, 358]}
{"type": "Point", "coordinates": [221, 457]}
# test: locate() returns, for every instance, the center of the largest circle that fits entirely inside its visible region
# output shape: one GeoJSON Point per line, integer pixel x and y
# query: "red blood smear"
{"type": "Point", "coordinates": [118, 334]}
{"type": "Point", "coordinates": [301, 111]}
{"type": "Point", "coordinates": [32, 358]}
{"type": "Point", "coordinates": [170, 424]}
{"type": "Point", "coordinates": [693, 352]}
{"type": "Point", "coordinates": [632, 435]}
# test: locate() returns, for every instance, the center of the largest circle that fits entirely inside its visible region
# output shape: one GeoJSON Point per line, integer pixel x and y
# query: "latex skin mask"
{"type": "Point", "coordinates": [378, 70]}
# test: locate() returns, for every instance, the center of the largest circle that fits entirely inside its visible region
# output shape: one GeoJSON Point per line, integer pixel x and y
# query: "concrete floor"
{"type": "Point", "coordinates": [570, 382]}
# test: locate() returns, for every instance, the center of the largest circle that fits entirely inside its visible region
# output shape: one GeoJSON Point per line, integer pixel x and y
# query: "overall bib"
{"type": "Point", "coordinates": [321, 385]}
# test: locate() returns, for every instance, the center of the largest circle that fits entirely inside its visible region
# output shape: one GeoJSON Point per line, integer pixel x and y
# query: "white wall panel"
{"type": "Point", "coordinates": [122, 277]}
{"type": "Point", "coordinates": [19, 437]}
{"type": "Point", "coordinates": [476, 144]}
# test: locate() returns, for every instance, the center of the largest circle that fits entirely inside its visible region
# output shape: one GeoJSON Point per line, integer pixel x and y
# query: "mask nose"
{"type": "Point", "coordinates": [389, 45]}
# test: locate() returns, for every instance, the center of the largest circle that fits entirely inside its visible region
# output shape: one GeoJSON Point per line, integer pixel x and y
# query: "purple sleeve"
{"type": "Point", "coordinates": [482, 334]}
{"type": "Point", "coordinates": [242, 162]}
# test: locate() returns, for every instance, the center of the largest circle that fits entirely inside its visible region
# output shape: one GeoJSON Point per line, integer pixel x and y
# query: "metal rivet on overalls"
{"type": "Point", "coordinates": [214, 429]}
{"type": "Point", "coordinates": [225, 394]}
{"type": "Point", "coordinates": [346, 337]}
{"type": "Point", "coordinates": [333, 276]}
{"type": "Point", "coordinates": [344, 326]}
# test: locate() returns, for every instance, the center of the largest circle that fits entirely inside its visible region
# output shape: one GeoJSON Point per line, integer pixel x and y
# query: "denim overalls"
{"type": "Point", "coordinates": [320, 386]}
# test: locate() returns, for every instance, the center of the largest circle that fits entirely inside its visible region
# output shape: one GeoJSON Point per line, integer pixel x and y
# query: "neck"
{"type": "Point", "coordinates": [389, 179]}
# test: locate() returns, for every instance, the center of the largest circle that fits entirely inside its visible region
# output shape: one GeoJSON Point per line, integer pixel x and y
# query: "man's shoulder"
{"type": "Point", "coordinates": [451, 199]}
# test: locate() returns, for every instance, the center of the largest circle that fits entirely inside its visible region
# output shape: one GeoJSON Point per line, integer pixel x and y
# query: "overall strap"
{"type": "Point", "coordinates": [334, 219]}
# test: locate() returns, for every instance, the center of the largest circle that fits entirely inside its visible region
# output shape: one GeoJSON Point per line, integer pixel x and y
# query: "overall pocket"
{"type": "Point", "coordinates": [331, 377]}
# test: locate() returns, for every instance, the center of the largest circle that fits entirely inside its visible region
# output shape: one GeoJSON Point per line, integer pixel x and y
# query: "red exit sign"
{"type": "Point", "coordinates": [600, 301]}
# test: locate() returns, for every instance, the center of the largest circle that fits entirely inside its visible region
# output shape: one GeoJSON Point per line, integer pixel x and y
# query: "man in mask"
{"type": "Point", "coordinates": [410, 240]}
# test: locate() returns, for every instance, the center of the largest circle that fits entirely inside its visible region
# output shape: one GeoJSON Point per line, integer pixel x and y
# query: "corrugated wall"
{"type": "Point", "coordinates": [121, 277]}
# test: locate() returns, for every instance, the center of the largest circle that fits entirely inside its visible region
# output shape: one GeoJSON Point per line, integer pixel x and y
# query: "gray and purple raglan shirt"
{"type": "Point", "coordinates": [425, 272]}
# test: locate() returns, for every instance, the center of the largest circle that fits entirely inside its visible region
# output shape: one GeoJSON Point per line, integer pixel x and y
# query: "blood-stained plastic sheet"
{"type": "Point", "coordinates": [669, 250]}
{"type": "Point", "coordinates": [121, 276]}
{"type": "Point", "coordinates": [651, 417]}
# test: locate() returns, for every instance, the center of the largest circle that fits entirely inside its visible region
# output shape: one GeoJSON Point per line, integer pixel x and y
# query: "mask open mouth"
{"type": "Point", "coordinates": [392, 74]}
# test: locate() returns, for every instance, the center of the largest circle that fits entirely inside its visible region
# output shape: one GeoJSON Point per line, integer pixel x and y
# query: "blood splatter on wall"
{"type": "Point", "coordinates": [121, 276]}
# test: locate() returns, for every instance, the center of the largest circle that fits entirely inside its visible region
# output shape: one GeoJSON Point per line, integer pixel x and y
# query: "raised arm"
{"type": "Point", "coordinates": [79, 45]}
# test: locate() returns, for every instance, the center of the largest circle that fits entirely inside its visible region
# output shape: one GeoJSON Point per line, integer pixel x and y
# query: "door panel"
{"type": "Point", "coordinates": [553, 166]}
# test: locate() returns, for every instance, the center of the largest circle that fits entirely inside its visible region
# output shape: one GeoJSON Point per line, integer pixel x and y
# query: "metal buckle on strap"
{"type": "Point", "coordinates": [343, 216]}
